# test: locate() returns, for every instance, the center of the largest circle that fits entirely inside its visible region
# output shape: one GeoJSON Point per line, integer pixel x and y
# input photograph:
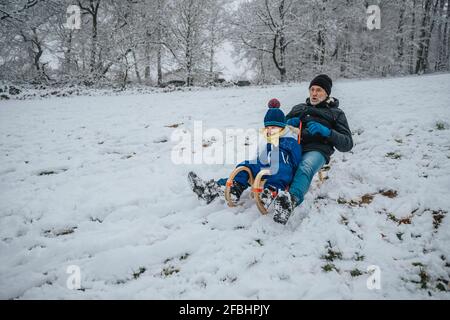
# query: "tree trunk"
{"type": "Point", "coordinates": [321, 45]}
{"type": "Point", "coordinates": [136, 68]}
{"type": "Point", "coordinates": [94, 43]}
{"type": "Point", "coordinates": [147, 67]}
{"type": "Point", "coordinates": [262, 68]}
{"type": "Point", "coordinates": [424, 40]}
{"type": "Point", "coordinates": [442, 28]}
{"type": "Point", "coordinates": [447, 39]}
{"type": "Point", "coordinates": [189, 78]}
{"type": "Point", "coordinates": [92, 9]}
{"type": "Point", "coordinates": [211, 62]}
{"type": "Point", "coordinates": [400, 36]}
{"type": "Point", "coordinates": [188, 53]}
{"type": "Point", "coordinates": [432, 21]}
{"type": "Point", "coordinates": [412, 38]}
{"type": "Point", "coordinates": [159, 50]}
{"type": "Point", "coordinates": [68, 55]}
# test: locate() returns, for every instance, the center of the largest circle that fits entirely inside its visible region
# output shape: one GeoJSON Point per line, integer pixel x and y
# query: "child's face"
{"type": "Point", "coordinates": [271, 130]}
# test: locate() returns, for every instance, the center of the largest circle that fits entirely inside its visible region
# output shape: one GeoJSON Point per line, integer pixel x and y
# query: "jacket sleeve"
{"type": "Point", "coordinates": [296, 112]}
{"type": "Point", "coordinates": [341, 136]}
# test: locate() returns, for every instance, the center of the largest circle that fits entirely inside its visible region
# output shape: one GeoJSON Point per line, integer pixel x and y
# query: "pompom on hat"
{"type": "Point", "coordinates": [275, 116]}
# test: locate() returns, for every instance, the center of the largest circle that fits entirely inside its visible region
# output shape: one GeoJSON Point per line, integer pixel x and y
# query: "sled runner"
{"type": "Point", "coordinates": [257, 187]}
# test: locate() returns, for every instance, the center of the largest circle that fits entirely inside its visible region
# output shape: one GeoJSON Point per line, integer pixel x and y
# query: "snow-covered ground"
{"type": "Point", "coordinates": [89, 181]}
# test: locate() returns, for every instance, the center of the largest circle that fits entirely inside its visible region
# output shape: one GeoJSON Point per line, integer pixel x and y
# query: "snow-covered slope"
{"type": "Point", "coordinates": [89, 181]}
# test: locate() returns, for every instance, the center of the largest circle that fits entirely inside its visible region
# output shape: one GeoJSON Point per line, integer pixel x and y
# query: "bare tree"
{"type": "Point", "coordinates": [264, 26]}
{"type": "Point", "coordinates": [91, 8]}
{"type": "Point", "coordinates": [188, 24]}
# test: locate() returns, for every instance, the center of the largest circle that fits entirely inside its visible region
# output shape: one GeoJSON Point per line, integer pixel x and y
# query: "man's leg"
{"type": "Point", "coordinates": [285, 202]}
{"type": "Point", "coordinates": [311, 163]}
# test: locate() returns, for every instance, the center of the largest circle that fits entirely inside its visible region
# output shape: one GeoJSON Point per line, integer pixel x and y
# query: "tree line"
{"type": "Point", "coordinates": [151, 41]}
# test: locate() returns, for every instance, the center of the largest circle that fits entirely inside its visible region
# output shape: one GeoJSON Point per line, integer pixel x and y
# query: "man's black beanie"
{"type": "Point", "coordinates": [323, 81]}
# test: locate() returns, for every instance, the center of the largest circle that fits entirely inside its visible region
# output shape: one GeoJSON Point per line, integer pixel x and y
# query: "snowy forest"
{"type": "Point", "coordinates": [149, 42]}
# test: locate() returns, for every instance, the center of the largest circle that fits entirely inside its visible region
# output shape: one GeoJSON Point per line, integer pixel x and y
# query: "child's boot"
{"type": "Point", "coordinates": [206, 190]}
{"type": "Point", "coordinates": [284, 205]}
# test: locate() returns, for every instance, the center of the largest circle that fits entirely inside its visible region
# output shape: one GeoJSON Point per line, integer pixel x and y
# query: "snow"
{"type": "Point", "coordinates": [89, 181]}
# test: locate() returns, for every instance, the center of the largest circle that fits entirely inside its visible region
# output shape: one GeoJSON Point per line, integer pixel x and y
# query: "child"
{"type": "Point", "coordinates": [282, 143]}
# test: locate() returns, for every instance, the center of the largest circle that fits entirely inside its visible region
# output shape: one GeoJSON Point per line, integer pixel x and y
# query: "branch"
{"type": "Point", "coordinates": [270, 14]}
{"type": "Point", "coordinates": [85, 8]}
{"type": "Point", "coordinates": [254, 47]}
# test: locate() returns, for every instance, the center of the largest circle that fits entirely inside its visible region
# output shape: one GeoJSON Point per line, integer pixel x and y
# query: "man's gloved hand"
{"type": "Point", "coordinates": [294, 122]}
{"type": "Point", "coordinates": [317, 128]}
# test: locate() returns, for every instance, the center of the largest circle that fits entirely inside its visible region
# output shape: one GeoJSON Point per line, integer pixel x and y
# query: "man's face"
{"type": "Point", "coordinates": [317, 95]}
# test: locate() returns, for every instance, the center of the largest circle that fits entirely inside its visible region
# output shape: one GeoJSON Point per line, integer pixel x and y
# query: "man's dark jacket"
{"type": "Point", "coordinates": [328, 114]}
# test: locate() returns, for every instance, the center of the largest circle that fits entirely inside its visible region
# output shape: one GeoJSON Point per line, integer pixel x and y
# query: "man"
{"type": "Point", "coordinates": [324, 128]}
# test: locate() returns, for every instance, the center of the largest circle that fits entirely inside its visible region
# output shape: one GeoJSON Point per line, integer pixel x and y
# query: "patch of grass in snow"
{"type": "Point", "coordinates": [180, 258]}
{"type": "Point", "coordinates": [138, 273]}
{"type": "Point", "coordinates": [51, 172]}
{"type": "Point", "coordinates": [399, 221]}
{"type": "Point", "coordinates": [128, 156]}
{"type": "Point", "coordinates": [259, 241]}
{"type": "Point", "coordinates": [359, 257]}
{"type": "Point", "coordinates": [229, 279]}
{"type": "Point", "coordinates": [329, 267]}
{"type": "Point", "coordinates": [170, 270]}
{"type": "Point", "coordinates": [331, 254]}
{"type": "Point", "coordinates": [59, 232]}
{"type": "Point", "coordinates": [367, 198]}
{"type": "Point", "coordinates": [393, 155]}
{"type": "Point", "coordinates": [438, 216]}
{"type": "Point", "coordinates": [344, 220]}
{"type": "Point", "coordinates": [443, 258]}
{"type": "Point", "coordinates": [389, 193]}
{"type": "Point", "coordinates": [168, 260]}
{"type": "Point", "coordinates": [176, 125]}
{"type": "Point", "coordinates": [443, 285]}
{"type": "Point", "coordinates": [426, 282]}
{"type": "Point", "coordinates": [440, 125]}
{"type": "Point", "coordinates": [356, 272]}
{"type": "Point", "coordinates": [161, 140]}
{"type": "Point", "coordinates": [96, 220]}
{"type": "Point", "coordinates": [185, 256]}
{"type": "Point", "coordinates": [424, 278]}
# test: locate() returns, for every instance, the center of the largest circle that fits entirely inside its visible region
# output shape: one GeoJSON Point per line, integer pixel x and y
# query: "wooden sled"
{"type": "Point", "coordinates": [257, 186]}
